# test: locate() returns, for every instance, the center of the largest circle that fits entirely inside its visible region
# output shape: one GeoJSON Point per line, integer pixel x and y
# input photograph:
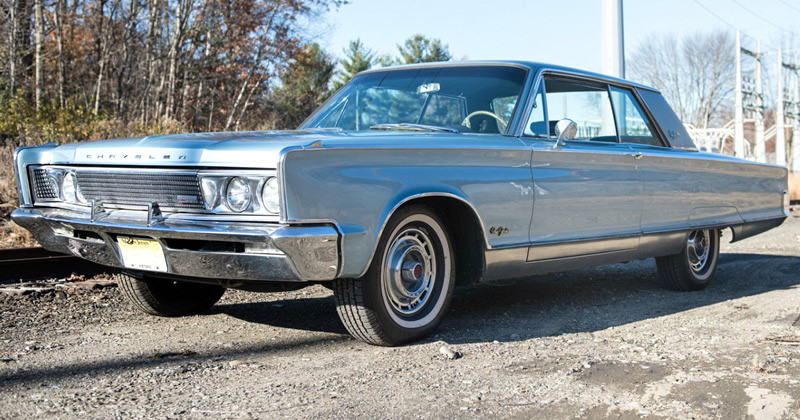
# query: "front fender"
{"type": "Point", "coordinates": [359, 189]}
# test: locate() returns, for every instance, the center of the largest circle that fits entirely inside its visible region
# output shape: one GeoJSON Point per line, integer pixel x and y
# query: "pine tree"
{"type": "Point", "coordinates": [357, 59]}
{"type": "Point", "coordinates": [419, 49]}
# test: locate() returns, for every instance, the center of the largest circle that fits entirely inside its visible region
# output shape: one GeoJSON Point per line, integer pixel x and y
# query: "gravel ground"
{"type": "Point", "coordinates": [596, 343]}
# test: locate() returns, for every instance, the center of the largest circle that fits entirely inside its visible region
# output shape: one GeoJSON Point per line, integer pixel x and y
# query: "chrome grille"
{"type": "Point", "coordinates": [138, 188]}
{"type": "Point", "coordinates": [42, 186]}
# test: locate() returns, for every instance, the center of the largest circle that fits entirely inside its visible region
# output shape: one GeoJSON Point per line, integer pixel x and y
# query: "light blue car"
{"type": "Point", "coordinates": [407, 182]}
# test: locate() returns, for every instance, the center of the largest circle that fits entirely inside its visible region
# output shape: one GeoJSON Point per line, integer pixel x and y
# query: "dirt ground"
{"type": "Point", "coordinates": [595, 343]}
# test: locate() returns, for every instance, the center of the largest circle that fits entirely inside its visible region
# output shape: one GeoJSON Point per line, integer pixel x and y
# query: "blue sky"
{"type": "Point", "coordinates": [565, 32]}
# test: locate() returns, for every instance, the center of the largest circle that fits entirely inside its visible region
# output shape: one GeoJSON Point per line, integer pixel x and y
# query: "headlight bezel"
{"type": "Point", "coordinates": [56, 178]}
{"type": "Point", "coordinates": [214, 189]}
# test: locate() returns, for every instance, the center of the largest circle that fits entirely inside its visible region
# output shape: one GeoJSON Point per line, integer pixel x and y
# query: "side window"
{"type": "Point", "coordinates": [536, 126]}
{"type": "Point", "coordinates": [588, 105]}
{"type": "Point", "coordinates": [633, 125]}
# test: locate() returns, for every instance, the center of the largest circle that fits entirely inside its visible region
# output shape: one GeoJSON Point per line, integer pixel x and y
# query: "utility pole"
{"type": "Point", "coordinates": [613, 47]}
{"type": "Point", "coordinates": [761, 149]}
{"type": "Point", "coordinates": [780, 135]}
{"type": "Point", "coordinates": [796, 128]}
{"type": "Point", "coordinates": [738, 130]}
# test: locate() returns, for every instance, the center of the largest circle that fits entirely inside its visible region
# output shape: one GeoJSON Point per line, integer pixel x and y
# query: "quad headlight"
{"type": "Point", "coordinates": [240, 193]}
{"type": "Point", "coordinates": [70, 191]}
{"type": "Point", "coordinates": [269, 195]}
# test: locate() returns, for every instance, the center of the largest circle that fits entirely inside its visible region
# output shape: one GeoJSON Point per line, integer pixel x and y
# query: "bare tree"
{"type": "Point", "coordinates": [10, 9]}
{"type": "Point", "coordinates": [178, 34]}
{"type": "Point", "coordinates": [200, 63]}
{"type": "Point", "coordinates": [39, 47]}
{"type": "Point", "coordinates": [695, 74]}
{"type": "Point", "coordinates": [58, 21]}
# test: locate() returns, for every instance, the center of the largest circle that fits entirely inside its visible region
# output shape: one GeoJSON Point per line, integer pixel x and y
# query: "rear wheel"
{"type": "Point", "coordinates": [695, 267]}
{"type": "Point", "coordinates": [166, 297]}
{"type": "Point", "coordinates": [407, 289]}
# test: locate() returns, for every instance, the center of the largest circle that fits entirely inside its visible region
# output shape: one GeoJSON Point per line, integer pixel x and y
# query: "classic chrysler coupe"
{"type": "Point", "coordinates": [407, 182]}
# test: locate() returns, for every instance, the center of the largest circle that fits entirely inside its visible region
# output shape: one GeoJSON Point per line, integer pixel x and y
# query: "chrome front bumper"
{"type": "Point", "coordinates": [231, 250]}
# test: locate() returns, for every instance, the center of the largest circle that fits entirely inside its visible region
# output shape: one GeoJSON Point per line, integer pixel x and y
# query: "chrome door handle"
{"type": "Point", "coordinates": [636, 155]}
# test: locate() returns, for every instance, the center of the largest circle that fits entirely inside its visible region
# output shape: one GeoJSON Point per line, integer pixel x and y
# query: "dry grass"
{"type": "Point", "coordinates": [794, 186]}
{"type": "Point", "coordinates": [12, 235]}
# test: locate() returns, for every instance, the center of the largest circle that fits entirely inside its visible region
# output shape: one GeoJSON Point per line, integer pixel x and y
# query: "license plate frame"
{"type": "Point", "coordinates": [142, 253]}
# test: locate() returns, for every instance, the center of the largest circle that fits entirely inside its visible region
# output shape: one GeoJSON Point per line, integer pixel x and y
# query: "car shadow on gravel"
{"type": "Point", "coordinates": [585, 300]}
{"type": "Point", "coordinates": [309, 314]}
{"type": "Point", "coordinates": [209, 359]}
{"type": "Point", "coordinates": [595, 299]}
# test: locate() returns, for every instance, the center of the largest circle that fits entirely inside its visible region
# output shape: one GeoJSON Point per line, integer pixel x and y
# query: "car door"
{"type": "Point", "coordinates": [587, 192]}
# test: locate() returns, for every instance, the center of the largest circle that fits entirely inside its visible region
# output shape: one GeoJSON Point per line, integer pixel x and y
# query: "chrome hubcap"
{"type": "Point", "coordinates": [697, 249]}
{"type": "Point", "coordinates": [409, 271]}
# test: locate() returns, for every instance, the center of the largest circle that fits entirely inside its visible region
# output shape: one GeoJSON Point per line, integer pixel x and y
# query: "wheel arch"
{"type": "Point", "coordinates": [456, 212]}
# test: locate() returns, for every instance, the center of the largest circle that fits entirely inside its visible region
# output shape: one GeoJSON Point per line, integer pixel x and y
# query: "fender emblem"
{"type": "Point", "coordinates": [498, 231]}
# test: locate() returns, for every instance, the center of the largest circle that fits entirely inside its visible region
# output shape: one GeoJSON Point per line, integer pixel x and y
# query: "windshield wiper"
{"type": "Point", "coordinates": [336, 129]}
{"type": "Point", "coordinates": [412, 127]}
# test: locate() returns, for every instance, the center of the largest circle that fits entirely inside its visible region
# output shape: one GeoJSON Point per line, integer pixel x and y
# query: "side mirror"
{"type": "Point", "coordinates": [565, 129]}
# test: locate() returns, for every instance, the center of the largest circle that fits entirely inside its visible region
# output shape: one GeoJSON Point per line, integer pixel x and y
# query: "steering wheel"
{"type": "Point", "coordinates": [502, 122]}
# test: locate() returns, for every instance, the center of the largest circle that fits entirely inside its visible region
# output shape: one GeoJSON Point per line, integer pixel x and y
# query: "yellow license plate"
{"type": "Point", "coordinates": [142, 254]}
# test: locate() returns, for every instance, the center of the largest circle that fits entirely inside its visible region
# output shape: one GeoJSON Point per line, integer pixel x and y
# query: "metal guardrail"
{"type": "Point", "coordinates": [37, 263]}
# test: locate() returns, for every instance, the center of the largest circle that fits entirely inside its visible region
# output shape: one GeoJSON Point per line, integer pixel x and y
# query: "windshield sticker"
{"type": "Point", "coordinates": [428, 88]}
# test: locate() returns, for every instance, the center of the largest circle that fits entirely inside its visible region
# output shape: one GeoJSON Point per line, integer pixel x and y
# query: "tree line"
{"type": "Point", "coordinates": [204, 65]}
{"type": "Point", "coordinates": [200, 65]}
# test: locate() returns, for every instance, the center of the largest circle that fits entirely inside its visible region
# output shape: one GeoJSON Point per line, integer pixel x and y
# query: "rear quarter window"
{"type": "Point", "coordinates": [667, 120]}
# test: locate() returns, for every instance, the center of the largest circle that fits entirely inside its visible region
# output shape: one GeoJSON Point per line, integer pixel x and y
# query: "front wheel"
{"type": "Point", "coordinates": [165, 297]}
{"type": "Point", "coordinates": [695, 267]}
{"type": "Point", "coordinates": [407, 289]}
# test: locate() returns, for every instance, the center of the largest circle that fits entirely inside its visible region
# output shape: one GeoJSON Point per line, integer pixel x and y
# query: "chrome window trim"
{"type": "Point", "coordinates": [613, 113]}
{"type": "Point", "coordinates": [516, 122]}
{"type": "Point", "coordinates": [539, 77]}
{"type": "Point", "coordinates": [541, 81]}
{"type": "Point", "coordinates": [529, 110]}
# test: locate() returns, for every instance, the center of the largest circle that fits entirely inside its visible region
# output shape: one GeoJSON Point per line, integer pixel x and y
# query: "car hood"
{"type": "Point", "coordinates": [257, 149]}
{"type": "Point", "coordinates": [250, 149]}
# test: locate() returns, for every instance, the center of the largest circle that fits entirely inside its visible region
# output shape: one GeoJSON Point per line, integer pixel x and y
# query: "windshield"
{"type": "Point", "coordinates": [474, 99]}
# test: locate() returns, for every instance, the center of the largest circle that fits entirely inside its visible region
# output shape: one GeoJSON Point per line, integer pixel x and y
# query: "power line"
{"type": "Point", "coordinates": [717, 16]}
{"type": "Point", "coordinates": [757, 15]}
{"type": "Point", "coordinates": [789, 5]}
{"type": "Point", "coordinates": [721, 19]}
